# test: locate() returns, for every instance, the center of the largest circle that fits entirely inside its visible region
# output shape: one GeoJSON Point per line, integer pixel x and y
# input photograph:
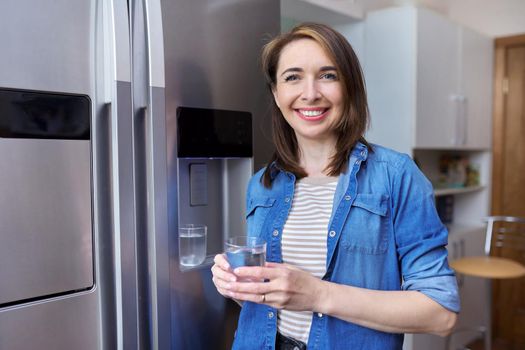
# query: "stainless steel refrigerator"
{"type": "Point", "coordinates": [97, 171]}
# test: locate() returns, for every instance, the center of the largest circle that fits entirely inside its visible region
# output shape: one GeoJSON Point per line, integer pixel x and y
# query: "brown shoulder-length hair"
{"type": "Point", "coordinates": [354, 121]}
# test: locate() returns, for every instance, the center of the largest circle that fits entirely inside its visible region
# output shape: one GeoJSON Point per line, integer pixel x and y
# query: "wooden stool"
{"type": "Point", "coordinates": [488, 267]}
{"type": "Point", "coordinates": [506, 232]}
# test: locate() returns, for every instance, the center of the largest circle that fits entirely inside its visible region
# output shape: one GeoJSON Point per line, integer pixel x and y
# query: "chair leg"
{"type": "Point", "coordinates": [448, 339]}
{"type": "Point", "coordinates": [482, 330]}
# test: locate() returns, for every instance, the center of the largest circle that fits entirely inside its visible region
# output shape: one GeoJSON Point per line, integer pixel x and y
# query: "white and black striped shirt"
{"type": "Point", "coordinates": [304, 243]}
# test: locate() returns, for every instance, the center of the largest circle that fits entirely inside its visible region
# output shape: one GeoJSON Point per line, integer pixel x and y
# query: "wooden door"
{"type": "Point", "coordinates": [508, 196]}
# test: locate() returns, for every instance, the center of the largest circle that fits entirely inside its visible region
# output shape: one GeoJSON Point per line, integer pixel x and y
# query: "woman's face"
{"type": "Point", "coordinates": [308, 91]}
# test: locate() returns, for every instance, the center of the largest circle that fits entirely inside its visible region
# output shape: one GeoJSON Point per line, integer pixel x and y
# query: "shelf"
{"type": "Point", "coordinates": [458, 190]}
{"type": "Point", "coordinates": [465, 228]}
{"type": "Point", "coordinates": [205, 264]}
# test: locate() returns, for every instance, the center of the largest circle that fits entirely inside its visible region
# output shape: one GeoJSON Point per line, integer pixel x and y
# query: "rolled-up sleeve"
{"type": "Point", "coordinates": [421, 238]}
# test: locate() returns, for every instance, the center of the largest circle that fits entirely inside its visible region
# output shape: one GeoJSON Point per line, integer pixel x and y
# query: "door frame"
{"type": "Point", "coordinates": [498, 127]}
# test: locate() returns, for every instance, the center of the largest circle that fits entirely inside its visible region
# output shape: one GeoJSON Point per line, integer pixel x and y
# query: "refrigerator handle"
{"type": "Point", "coordinates": [150, 167]}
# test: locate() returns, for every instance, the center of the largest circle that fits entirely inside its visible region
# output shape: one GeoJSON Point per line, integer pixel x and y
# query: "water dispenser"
{"type": "Point", "coordinates": [214, 156]}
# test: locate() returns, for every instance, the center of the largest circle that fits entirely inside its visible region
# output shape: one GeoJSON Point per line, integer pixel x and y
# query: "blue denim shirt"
{"type": "Point", "coordinates": [384, 234]}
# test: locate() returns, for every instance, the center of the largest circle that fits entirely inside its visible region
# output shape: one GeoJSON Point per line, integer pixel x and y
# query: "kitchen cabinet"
{"type": "Point", "coordinates": [476, 88]}
{"type": "Point", "coordinates": [474, 291]}
{"type": "Point", "coordinates": [429, 81]}
{"type": "Point", "coordinates": [466, 238]}
{"type": "Point", "coordinates": [466, 241]}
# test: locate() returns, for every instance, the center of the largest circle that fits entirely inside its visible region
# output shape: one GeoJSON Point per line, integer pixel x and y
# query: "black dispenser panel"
{"type": "Point", "coordinates": [44, 115]}
{"type": "Point", "coordinates": [213, 133]}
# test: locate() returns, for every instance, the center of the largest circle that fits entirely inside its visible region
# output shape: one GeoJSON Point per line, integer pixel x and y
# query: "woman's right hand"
{"type": "Point", "coordinates": [222, 274]}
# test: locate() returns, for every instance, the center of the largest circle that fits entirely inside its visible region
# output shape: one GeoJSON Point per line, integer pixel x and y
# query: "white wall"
{"type": "Point", "coordinates": [494, 18]}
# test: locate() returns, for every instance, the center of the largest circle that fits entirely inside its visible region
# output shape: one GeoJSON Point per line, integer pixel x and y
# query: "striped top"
{"type": "Point", "coordinates": [304, 243]}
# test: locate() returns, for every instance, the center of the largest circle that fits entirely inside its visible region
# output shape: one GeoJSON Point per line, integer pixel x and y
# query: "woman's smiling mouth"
{"type": "Point", "coordinates": [312, 114]}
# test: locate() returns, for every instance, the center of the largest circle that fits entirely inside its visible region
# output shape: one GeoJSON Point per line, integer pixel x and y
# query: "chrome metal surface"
{"type": "Point", "coordinates": [50, 183]}
{"type": "Point", "coordinates": [45, 218]}
{"type": "Point", "coordinates": [211, 60]}
{"type": "Point", "coordinates": [47, 45]}
{"type": "Point", "coordinates": [61, 323]}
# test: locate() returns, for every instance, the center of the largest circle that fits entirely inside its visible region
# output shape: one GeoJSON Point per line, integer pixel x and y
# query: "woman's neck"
{"type": "Point", "coordinates": [315, 156]}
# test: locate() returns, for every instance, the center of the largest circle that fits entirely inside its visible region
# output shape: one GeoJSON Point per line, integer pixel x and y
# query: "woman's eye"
{"type": "Point", "coordinates": [291, 77]}
{"type": "Point", "coordinates": [329, 76]}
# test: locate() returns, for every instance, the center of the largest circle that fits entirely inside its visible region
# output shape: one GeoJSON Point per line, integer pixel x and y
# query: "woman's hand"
{"type": "Point", "coordinates": [286, 287]}
{"type": "Point", "coordinates": [222, 275]}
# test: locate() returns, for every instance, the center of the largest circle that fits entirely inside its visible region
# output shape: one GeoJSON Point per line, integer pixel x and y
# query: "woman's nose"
{"type": "Point", "coordinates": [310, 91]}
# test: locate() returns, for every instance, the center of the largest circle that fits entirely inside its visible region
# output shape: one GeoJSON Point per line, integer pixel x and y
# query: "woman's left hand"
{"type": "Point", "coordinates": [286, 287]}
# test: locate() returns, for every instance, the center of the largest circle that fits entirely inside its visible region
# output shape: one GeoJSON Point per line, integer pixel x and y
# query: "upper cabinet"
{"type": "Point", "coordinates": [476, 87]}
{"type": "Point", "coordinates": [429, 81]}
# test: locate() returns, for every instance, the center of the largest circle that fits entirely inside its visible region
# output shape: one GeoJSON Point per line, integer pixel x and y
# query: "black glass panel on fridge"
{"type": "Point", "coordinates": [213, 133]}
{"type": "Point", "coordinates": [44, 115]}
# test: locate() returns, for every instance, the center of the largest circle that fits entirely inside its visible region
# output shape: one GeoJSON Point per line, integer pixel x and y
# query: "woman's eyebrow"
{"type": "Point", "coordinates": [299, 70]}
{"type": "Point", "coordinates": [327, 68]}
{"type": "Point", "coordinates": [293, 69]}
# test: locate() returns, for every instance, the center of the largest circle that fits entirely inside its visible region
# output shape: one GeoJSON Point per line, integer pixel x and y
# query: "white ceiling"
{"type": "Point", "coordinates": [495, 18]}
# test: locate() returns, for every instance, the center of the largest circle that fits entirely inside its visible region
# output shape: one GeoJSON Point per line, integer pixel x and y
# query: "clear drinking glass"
{"type": "Point", "coordinates": [192, 244]}
{"type": "Point", "coordinates": [245, 251]}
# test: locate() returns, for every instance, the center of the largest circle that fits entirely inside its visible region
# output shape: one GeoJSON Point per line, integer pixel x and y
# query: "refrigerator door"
{"type": "Point", "coordinates": [45, 206]}
{"type": "Point", "coordinates": [67, 221]}
{"type": "Point", "coordinates": [212, 61]}
{"type": "Point", "coordinates": [48, 278]}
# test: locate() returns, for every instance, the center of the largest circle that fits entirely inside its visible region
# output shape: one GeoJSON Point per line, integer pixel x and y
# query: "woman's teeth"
{"type": "Point", "coordinates": [312, 113]}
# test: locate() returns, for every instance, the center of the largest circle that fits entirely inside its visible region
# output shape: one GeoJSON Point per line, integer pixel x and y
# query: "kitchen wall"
{"type": "Point", "coordinates": [495, 18]}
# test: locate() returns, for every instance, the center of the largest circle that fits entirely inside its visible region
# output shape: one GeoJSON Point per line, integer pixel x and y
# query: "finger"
{"type": "Point", "coordinates": [260, 273]}
{"type": "Point", "coordinates": [272, 264]}
{"type": "Point", "coordinates": [220, 259]}
{"type": "Point", "coordinates": [223, 274]}
{"type": "Point", "coordinates": [221, 283]}
{"type": "Point", "coordinates": [254, 298]}
{"type": "Point", "coordinates": [224, 292]}
{"type": "Point", "coordinates": [250, 287]}
{"type": "Point", "coordinates": [280, 265]}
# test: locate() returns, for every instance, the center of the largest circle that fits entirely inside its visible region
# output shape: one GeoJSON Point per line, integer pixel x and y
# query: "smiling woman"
{"type": "Point", "coordinates": [337, 62]}
{"type": "Point", "coordinates": [308, 92]}
{"type": "Point", "coordinates": [355, 250]}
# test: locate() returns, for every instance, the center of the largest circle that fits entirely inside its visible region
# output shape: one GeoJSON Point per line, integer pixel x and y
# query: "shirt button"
{"type": "Point", "coordinates": [275, 233]}
{"type": "Point", "coordinates": [270, 314]}
{"type": "Point", "coordinates": [319, 315]}
{"type": "Point", "coordinates": [348, 198]}
{"type": "Point", "coordinates": [287, 199]}
{"type": "Point", "coordinates": [362, 153]}
{"type": "Point", "coordinates": [332, 234]}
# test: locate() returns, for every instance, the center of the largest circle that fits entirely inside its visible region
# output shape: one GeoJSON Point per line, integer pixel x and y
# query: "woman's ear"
{"type": "Point", "coordinates": [274, 93]}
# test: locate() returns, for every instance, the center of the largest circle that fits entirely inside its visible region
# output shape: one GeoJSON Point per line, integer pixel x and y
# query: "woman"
{"type": "Point", "coordinates": [356, 252]}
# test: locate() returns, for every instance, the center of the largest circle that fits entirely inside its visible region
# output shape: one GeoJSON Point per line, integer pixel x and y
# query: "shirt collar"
{"type": "Point", "coordinates": [360, 151]}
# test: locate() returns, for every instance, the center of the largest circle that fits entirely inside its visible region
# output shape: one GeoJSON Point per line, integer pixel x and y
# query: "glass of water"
{"type": "Point", "coordinates": [192, 244]}
{"type": "Point", "coordinates": [245, 251]}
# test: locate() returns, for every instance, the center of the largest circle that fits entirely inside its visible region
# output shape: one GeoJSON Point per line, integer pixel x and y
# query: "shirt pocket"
{"type": "Point", "coordinates": [366, 228]}
{"type": "Point", "coordinates": [257, 213]}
